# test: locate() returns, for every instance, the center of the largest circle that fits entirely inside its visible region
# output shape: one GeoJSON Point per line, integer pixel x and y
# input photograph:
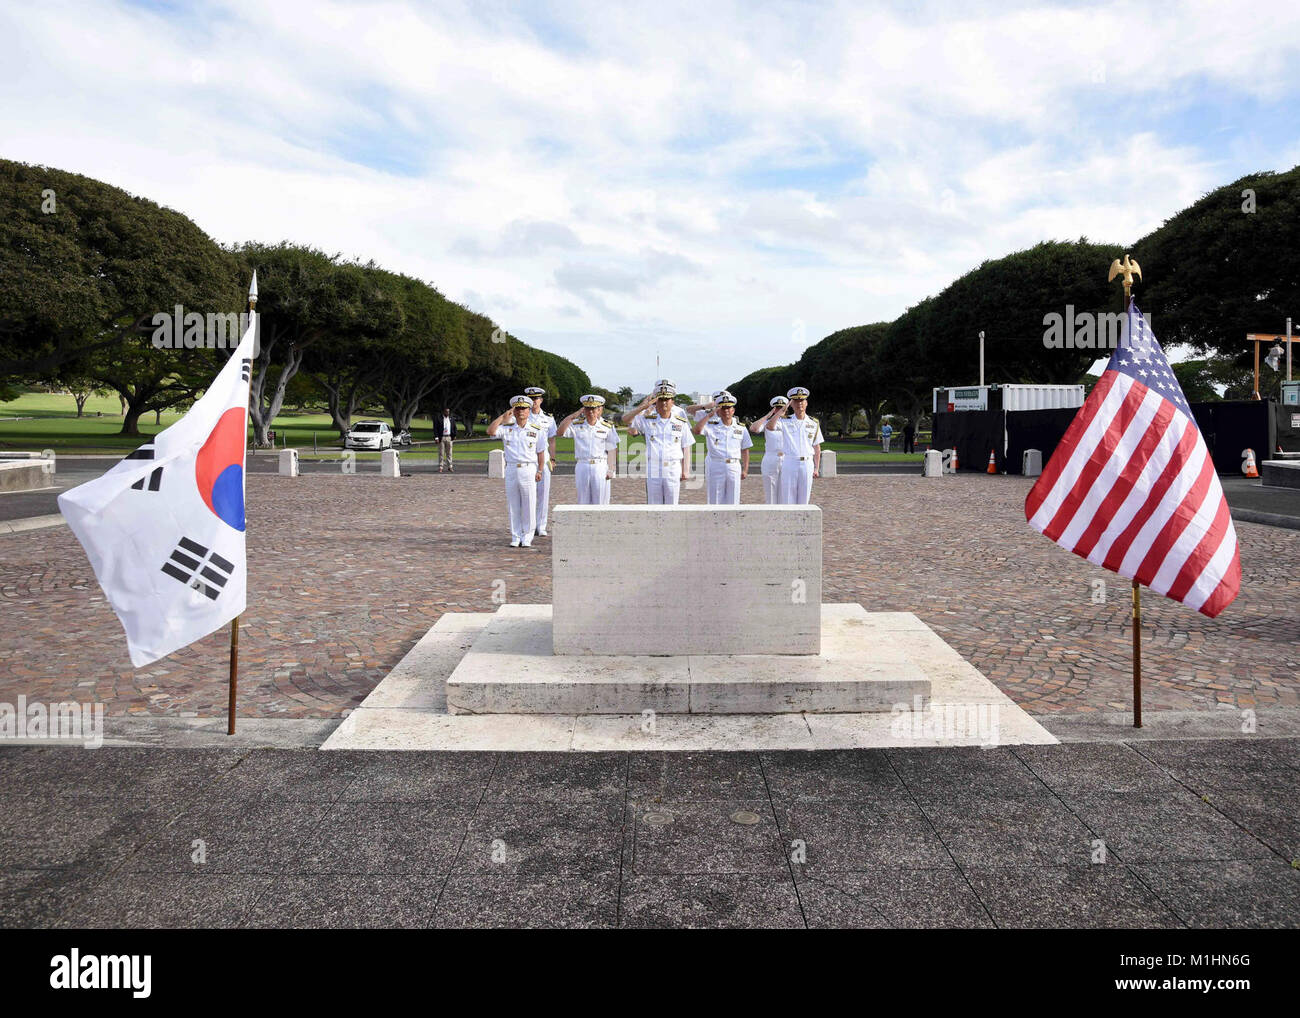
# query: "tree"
{"type": "Point", "coordinates": [305, 296]}
{"type": "Point", "coordinates": [87, 266]}
{"type": "Point", "coordinates": [1225, 266]}
{"type": "Point", "coordinates": [431, 347]}
{"type": "Point", "coordinates": [149, 379]}
{"type": "Point", "coordinates": [82, 388]}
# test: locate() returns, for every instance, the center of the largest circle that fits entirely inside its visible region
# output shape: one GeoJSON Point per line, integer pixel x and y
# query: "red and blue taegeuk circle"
{"type": "Point", "coordinates": [219, 468]}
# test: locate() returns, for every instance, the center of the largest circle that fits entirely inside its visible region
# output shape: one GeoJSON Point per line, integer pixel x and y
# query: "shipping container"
{"type": "Point", "coordinates": [1011, 397]}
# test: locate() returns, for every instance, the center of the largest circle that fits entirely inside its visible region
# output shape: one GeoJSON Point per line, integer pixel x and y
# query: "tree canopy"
{"type": "Point", "coordinates": [87, 266]}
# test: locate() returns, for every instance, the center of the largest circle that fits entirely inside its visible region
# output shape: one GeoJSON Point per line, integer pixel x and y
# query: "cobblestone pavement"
{"type": "Point", "coordinates": [347, 572]}
{"type": "Point", "coordinates": [1157, 835]}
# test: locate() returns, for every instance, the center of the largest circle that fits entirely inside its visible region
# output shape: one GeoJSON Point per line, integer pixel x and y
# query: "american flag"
{"type": "Point", "coordinates": [1132, 487]}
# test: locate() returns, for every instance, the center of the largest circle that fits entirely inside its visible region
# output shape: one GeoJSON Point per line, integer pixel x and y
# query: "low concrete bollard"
{"type": "Point", "coordinates": [288, 462]}
{"type": "Point", "coordinates": [933, 463]}
{"type": "Point", "coordinates": [496, 463]}
{"type": "Point", "coordinates": [829, 467]}
{"type": "Point", "coordinates": [1031, 463]}
{"type": "Point", "coordinates": [390, 463]}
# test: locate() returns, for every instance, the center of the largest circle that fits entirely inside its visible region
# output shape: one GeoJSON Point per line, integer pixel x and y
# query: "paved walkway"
{"type": "Point", "coordinates": [1192, 833]}
{"type": "Point", "coordinates": [348, 572]}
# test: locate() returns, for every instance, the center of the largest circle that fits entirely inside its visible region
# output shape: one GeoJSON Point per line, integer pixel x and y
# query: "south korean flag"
{"type": "Point", "coordinates": [164, 529]}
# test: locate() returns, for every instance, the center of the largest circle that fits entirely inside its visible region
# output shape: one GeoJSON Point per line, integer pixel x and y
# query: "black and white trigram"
{"type": "Point", "coordinates": [145, 452]}
{"type": "Point", "coordinates": [245, 367]}
{"type": "Point", "coordinates": [154, 481]}
{"type": "Point", "coordinates": [199, 568]}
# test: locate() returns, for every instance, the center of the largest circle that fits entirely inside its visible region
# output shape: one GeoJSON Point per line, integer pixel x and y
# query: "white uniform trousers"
{"type": "Point", "coordinates": [723, 482]}
{"type": "Point", "coordinates": [593, 489]}
{"type": "Point", "coordinates": [521, 497]}
{"type": "Point", "coordinates": [772, 478]}
{"type": "Point", "coordinates": [796, 479]}
{"type": "Point", "coordinates": [663, 487]}
{"type": "Point", "coordinates": [544, 496]}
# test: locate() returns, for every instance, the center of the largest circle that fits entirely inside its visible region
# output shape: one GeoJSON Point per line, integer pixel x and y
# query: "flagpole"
{"type": "Point", "coordinates": [234, 623]}
{"type": "Point", "coordinates": [1128, 268]}
{"type": "Point", "coordinates": [1137, 591]}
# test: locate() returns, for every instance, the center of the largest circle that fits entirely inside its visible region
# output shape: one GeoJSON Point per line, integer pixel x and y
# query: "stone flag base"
{"type": "Point", "coordinates": [863, 667]}
{"type": "Point", "coordinates": [884, 679]}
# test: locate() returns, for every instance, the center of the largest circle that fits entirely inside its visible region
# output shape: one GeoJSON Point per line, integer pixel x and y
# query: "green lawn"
{"type": "Point", "coordinates": [52, 423]}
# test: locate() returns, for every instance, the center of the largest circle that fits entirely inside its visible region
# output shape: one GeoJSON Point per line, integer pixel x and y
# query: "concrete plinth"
{"type": "Point", "coordinates": [829, 464]}
{"type": "Point", "coordinates": [288, 462]}
{"type": "Point", "coordinates": [497, 464]}
{"type": "Point", "coordinates": [1280, 473]}
{"type": "Point", "coordinates": [688, 579]}
{"type": "Point", "coordinates": [26, 474]}
{"type": "Point", "coordinates": [390, 463]}
{"type": "Point", "coordinates": [933, 463]}
{"type": "Point", "coordinates": [511, 669]}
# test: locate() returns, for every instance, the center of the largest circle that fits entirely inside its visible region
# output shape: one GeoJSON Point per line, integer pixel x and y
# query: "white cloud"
{"type": "Point", "coordinates": [607, 180]}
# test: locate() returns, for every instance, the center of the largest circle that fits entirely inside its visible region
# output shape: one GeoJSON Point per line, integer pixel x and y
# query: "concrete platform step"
{"type": "Point", "coordinates": [863, 668]}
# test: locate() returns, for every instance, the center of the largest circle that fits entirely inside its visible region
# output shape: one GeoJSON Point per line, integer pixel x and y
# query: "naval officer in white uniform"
{"type": "Point", "coordinates": [524, 444]}
{"type": "Point", "coordinates": [595, 441]}
{"type": "Point", "coordinates": [801, 444]}
{"type": "Point", "coordinates": [668, 436]}
{"type": "Point", "coordinates": [772, 453]}
{"type": "Point", "coordinates": [546, 422]}
{"type": "Point", "coordinates": [728, 444]}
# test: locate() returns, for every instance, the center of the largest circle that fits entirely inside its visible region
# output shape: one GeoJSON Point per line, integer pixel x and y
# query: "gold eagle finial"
{"type": "Point", "coordinates": [1128, 268]}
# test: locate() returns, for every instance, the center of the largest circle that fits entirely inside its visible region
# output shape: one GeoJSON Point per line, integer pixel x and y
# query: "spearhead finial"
{"type": "Point", "coordinates": [252, 290]}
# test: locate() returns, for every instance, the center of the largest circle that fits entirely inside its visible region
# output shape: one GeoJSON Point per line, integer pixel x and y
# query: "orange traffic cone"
{"type": "Point", "coordinates": [993, 463]}
{"type": "Point", "coordinates": [1248, 467]}
{"type": "Point", "coordinates": [955, 468]}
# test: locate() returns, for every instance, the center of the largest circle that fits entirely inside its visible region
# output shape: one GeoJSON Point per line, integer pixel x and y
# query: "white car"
{"type": "Point", "coordinates": [370, 435]}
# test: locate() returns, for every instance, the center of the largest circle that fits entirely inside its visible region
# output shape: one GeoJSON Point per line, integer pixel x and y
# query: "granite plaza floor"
{"type": "Point", "coordinates": [1166, 834]}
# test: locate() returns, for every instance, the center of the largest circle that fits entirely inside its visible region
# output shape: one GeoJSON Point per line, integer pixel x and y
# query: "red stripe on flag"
{"type": "Point", "coordinates": [1158, 489]}
{"type": "Point", "coordinates": [1127, 479]}
{"type": "Point", "coordinates": [1227, 589]}
{"type": "Point", "coordinates": [1100, 454]}
{"type": "Point", "coordinates": [1182, 515]}
{"type": "Point", "coordinates": [1200, 557]}
{"type": "Point", "coordinates": [1065, 450]}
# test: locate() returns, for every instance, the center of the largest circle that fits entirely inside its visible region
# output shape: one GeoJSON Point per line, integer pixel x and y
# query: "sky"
{"type": "Point", "coordinates": [714, 185]}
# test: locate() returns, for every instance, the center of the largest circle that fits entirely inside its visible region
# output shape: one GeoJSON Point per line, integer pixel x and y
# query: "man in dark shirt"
{"type": "Point", "coordinates": [444, 430]}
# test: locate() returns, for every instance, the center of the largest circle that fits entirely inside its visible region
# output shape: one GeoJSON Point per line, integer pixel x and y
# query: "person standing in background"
{"type": "Point", "coordinates": [546, 422]}
{"type": "Point", "coordinates": [886, 433]}
{"type": "Point", "coordinates": [773, 453]}
{"type": "Point", "coordinates": [909, 436]}
{"type": "Point", "coordinates": [444, 431]}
